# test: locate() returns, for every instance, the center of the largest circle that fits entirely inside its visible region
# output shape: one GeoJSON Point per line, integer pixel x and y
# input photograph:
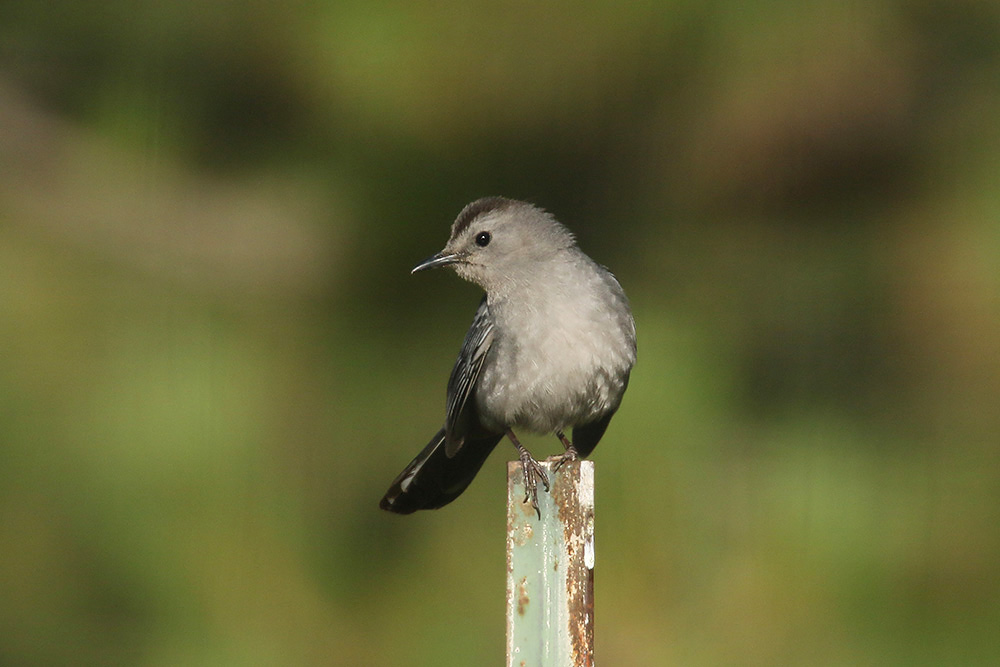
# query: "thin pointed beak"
{"type": "Point", "coordinates": [434, 261]}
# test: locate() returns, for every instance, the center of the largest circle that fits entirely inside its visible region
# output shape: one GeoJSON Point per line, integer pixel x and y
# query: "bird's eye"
{"type": "Point", "coordinates": [483, 239]}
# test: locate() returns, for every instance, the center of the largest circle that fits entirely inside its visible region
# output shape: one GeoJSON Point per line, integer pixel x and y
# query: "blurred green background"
{"type": "Point", "coordinates": [214, 360]}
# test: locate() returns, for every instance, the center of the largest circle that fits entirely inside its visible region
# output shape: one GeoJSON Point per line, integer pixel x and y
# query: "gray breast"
{"type": "Point", "coordinates": [557, 362]}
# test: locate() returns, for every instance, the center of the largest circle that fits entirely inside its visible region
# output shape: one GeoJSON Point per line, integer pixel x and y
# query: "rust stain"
{"type": "Point", "coordinates": [521, 533]}
{"type": "Point", "coordinates": [522, 596]}
{"type": "Point", "coordinates": [578, 525]}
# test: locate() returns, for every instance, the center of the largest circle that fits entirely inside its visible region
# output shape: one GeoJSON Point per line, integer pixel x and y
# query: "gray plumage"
{"type": "Point", "coordinates": [550, 349]}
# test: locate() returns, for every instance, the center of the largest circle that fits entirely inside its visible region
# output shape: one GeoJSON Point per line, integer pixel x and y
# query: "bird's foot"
{"type": "Point", "coordinates": [568, 456]}
{"type": "Point", "coordinates": [532, 470]}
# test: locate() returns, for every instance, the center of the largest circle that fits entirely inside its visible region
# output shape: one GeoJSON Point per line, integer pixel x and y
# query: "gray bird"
{"type": "Point", "coordinates": [550, 349]}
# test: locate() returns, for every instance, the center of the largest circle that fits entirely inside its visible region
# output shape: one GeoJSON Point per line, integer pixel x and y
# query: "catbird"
{"type": "Point", "coordinates": [550, 348]}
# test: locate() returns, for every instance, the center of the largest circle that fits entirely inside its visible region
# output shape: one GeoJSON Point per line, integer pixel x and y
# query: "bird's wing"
{"type": "Point", "coordinates": [460, 416]}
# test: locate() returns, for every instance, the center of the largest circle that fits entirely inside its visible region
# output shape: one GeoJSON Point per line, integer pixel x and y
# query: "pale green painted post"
{"type": "Point", "coordinates": [550, 569]}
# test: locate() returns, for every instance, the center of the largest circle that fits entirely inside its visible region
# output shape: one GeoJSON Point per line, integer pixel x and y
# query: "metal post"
{"type": "Point", "coordinates": [550, 569]}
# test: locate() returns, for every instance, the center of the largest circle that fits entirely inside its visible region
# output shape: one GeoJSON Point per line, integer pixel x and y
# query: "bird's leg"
{"type": "Point", "coordinates": [531, 469]}
{"type": "Point", "coordinates": [568, 456]}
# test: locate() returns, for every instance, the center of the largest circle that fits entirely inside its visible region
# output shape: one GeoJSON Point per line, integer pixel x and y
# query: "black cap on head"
{"type": "Point", "coordinates": [476, 209]}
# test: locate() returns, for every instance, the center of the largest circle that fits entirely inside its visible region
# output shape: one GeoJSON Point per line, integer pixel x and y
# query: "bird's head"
{"type": "Point", "coordinates": [496, 241]}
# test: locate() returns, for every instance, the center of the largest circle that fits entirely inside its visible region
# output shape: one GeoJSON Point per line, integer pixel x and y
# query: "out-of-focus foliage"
{"type": "Point", "coordinates": [213, 361]}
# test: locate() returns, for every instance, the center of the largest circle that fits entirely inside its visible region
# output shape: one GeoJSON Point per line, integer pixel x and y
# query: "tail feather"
{"type": "Point", "coordinates": [433, 480]}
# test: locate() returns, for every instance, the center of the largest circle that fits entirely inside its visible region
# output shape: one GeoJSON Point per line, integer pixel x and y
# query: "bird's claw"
{"type": "Point", "coordinates": [533, 469]}
{"type": "Point", "coordinates": [569, 456]}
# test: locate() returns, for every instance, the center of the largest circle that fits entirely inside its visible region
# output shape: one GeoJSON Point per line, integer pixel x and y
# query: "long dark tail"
{"type": "Point", "coordinates": [433, 480]}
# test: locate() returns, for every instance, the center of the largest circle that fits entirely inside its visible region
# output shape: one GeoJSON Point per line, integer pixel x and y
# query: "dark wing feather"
{"type": "Point", "coordinates": [586, 436]}
{"type": "Point", "coordinates": [449, 462]}
{"type": "Point", "coordinates": [433, 479]}
{"type": "Point", "coordinates": [460, 415]}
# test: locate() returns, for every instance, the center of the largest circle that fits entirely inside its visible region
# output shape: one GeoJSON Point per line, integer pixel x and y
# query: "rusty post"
{"type": "Point", "coordinates": [550, 569]}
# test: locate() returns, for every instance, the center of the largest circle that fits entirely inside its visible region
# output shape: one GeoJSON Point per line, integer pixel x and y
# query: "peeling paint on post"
{"type": "Point", "coordinates": [550, 569]}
